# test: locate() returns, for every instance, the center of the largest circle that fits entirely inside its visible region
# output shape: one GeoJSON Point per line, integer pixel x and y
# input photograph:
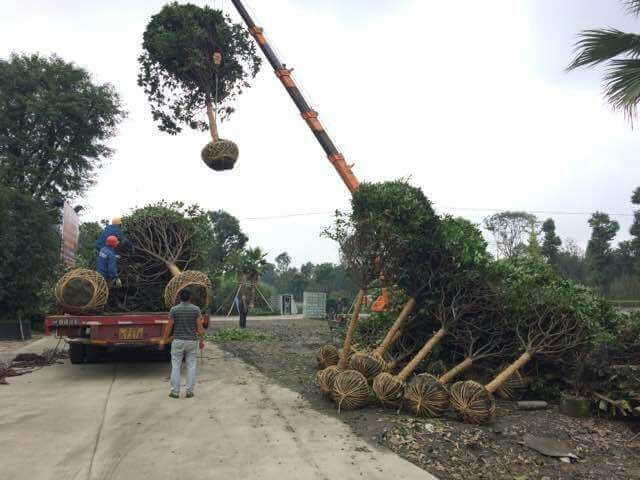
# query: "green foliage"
{"type": "Point", "coordinates": [54, 124]}
{"type": "Point", "coordinates": [237, 335]}
{"type": "Point", "coordinates": [227, 239]}
{"type": "Point", "coordinates": [619, 51]}
{"type": "Point", "coordinates": [599, 255]}
{"type": "Point", "coordinates": [551, 243]}
{"type": "Point", "coordinates": [283, 261]}
{"type": "Point", "coordinates": [509, 230]}
{"type": "Point", "coordinates": [87, 238]}
{"type": "Point", "coordinates": [177, 70]}
{"type": "Point", "coordinates": [29, 255]}
{"type": "Point", "coordinates": [249, 262]}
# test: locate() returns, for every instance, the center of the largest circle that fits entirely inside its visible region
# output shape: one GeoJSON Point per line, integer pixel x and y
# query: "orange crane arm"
{"type": "Point", "coordinates": [309, 115]}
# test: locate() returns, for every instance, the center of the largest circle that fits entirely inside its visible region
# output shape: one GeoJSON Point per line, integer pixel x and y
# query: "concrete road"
{"type": "Point", "coordinates": [115, 421]}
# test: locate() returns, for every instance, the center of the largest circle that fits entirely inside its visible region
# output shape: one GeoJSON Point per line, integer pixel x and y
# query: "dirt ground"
{"type": "Point", "coordinates": [446, 447]}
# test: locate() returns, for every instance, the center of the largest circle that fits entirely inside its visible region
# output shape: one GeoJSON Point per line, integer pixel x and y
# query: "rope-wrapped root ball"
{"type": "Point", "coordinates": [369, 365]}
{"type": "Point", "coordinates": [388, 389]}
{"type": "Point", "coordinates": [473, 402]}
{"type": "Point", "coordinates": [196, 282]}
{"type": "Point", "coordinates": [326, 377]}
{"type": "Point", "coordinates": [513, 387]}
{"type": "Point", "coordinates": [350, 390]}
{"type": "Point", "coordinates": [220, 155]}
{"type": "Point", "coordinates": [326, 356]}
{"type": "Point", "coordinates": [425, 396]}
{"type": "Point", "coordinates": [81, 290]}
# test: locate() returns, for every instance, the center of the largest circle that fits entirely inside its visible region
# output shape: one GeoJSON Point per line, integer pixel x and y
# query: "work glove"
{"type": "Point", "coordinates": [118, 283]}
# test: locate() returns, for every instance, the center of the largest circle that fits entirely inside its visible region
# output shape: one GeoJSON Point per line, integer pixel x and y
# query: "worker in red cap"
{"type": "Point", "coordinates": [107, 261]}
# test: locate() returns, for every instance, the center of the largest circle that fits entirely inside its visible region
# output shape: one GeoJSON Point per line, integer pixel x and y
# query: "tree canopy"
{"type": "Point", "coordinates": [54, 125]}
{"type": "Point", "coordinates": [177, 70]}
{"type": "Point", "coordinates": [509, 230]}
{"type": "Point", "coordinates": [551, 243]}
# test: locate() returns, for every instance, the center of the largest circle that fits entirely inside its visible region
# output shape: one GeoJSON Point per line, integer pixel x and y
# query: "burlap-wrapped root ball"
{"type": "Point", "coordinates": [473, 402]}
{"type": "Point", "coordinates": [369, 365]}
{"type": "Point", "coordinates": [425, 396]}
{"type": "Point", "coordinates": [350, 390]}
{"type": "Point", "coordinates": [220, 155]}
{"type": "Point", "coordinates": [198, 284]}
{"type": "Point", "coordinates": [326, 377]}
{"type": "Point", "coordinates": [81, 290]}
{"type": "Point", "coordinates": [389, 389]}
{"type": "Point", "coordinates": [326, 356]}
{"type": "Point", "coordinates": [513, 387]}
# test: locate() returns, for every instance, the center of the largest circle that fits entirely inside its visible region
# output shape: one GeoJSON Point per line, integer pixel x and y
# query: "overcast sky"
{"type": "Point", "coordinates": [468, 98]}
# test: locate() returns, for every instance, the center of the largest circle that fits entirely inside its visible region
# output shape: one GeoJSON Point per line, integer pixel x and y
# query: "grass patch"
{"type": "Point", "coordinates": [237, 335]}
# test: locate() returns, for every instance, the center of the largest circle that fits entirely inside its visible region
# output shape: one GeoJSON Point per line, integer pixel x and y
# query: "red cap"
{"type": "Point", "coordinates": [112, 241]}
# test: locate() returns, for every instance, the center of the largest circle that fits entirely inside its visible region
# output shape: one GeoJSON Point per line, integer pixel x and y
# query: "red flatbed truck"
{"type": "Point", "coordinates": [88, 335]}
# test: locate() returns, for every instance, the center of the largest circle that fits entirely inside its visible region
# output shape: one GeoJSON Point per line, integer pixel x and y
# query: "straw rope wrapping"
{"type": "Point", "coordinates": [325, 379]}
{"type": "Point", "coordinates": [473, 402]}
{"type": "Point", "coordinates": [388, 389]}
{"type": "Point", "coordinates": [186, 279]}
{"type": "Point", "coordinates": [81, 290]}
{"type": "Point", "coordinates": [220, 155]}
{"type": "Point", "coordinates": [425, 396]}
{"type": "Point", "coordinates": [350, 390]}
{"type": "Point", "coordinates": [369, 365]}
{"type": "Point", "coordinates": [326, 356]}
{"type": "Point", "coordinates": [513, 387]}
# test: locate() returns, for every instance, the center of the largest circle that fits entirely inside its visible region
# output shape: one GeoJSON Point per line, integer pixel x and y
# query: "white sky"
{"type": "Point", "coordinates": [468, 98]}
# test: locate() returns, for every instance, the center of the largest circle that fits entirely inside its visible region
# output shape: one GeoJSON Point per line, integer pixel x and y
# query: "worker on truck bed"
{"type": "Point", "coordinates": [107, 261]}
{"type": "Point", "coordinates": [186, 320]}
{"type": "Point", "coordinates": [114, 229]}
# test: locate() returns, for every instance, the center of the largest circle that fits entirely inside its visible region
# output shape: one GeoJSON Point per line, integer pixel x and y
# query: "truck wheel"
{"type": "Point", "coordinates": [76, 352]}
{"type": "Point", "coordinates": [92, 354]}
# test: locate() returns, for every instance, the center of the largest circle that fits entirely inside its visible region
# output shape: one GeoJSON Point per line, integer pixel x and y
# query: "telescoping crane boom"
{"type": "Point", "coordinates": [309, 115]}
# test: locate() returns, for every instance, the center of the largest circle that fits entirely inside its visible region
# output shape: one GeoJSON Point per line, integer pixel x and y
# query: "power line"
{"type": "Point", "coordinates": [474, 209]}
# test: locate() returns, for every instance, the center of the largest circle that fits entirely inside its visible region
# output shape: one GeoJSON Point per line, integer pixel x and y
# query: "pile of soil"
{"type": "Point", "coordinates": [446, 447]}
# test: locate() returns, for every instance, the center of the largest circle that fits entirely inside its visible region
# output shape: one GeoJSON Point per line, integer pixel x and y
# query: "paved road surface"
{"type": "Point", "coordinates": [114, 421]}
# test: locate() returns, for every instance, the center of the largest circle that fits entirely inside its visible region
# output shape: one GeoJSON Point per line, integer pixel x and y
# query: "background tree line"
{"type": "Point", "coordinates": [613, 269]}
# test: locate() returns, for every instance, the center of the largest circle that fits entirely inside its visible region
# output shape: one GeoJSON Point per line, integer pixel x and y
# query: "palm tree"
{"type": "Point", "coordinates": [249, 265]}
{"type": "Point", "coordinates": [620, 51]}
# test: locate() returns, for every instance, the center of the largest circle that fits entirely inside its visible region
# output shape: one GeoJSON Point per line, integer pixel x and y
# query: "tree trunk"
{"type": "Point", "coordinates": [504, 375]}
{"type": "Point", "coordinates": [455, 371]}
{"type": "Point", "coordinates": [213, 127]}
{"type": "Point", "coordinates": [175, 271]}
{"type": "Point", "coordinates": [342, 364]}
{"type": "Point", "coordinates": [421, 355]}
{"type": "Point", "coordinates": [389, 337]}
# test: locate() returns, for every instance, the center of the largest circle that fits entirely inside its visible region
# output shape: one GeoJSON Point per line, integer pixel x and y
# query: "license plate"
{"type": "Point", "coordinates": [136, 333]}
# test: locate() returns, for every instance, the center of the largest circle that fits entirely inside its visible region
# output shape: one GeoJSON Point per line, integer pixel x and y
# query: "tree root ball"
{"type": "Point", "coordinates": [350, 390]}
{"type": "Point", "coordinates": [472, 402]}
{"type": "Point", "coordinates": [513, 387]}
{"type": "Point", "coordinates": [220, 155]}
{"type": "Point", "coordinates": [81, 290]}
{"type": "Point", "coordinates": [196, 282]}
{"type": "Point", "coordinates": [388, 389]}
{"type": "Point", "coordinates": [326, 356]}
{"type": "Point", "coordinates": [367, 364]}
{"type": "Point", "coordinates": [425, 396]}
{"type": "Point", "coordinates": [325, 379]}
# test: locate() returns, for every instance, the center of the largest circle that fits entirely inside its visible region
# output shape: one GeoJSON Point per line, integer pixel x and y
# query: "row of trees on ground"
{"type": "Point", "coordinates": [614, 270]}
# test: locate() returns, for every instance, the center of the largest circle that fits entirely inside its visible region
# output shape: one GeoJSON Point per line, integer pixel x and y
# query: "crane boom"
{"type": "Point", "coordinates": [309, 115]}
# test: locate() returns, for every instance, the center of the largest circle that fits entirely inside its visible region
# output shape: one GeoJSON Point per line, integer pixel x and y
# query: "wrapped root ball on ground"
{"type": "Point", "coordinates": [81, 290]}
{"type": "Point", "coordinates": [473, 402]}
{"type": "Point", "coordinates": [369, 365]}
{"type": "Point", "coordinates": [220, 155]}
{"type": "Point", "coordinates": [425, 396]}
{"type": "Point", "coordinates": [325, 378]}
{"type": "Point", "coordinates": [197, 283]}
{"type": "Point", "coordinates": [326, 356]}
{"type": "Point", "coordinates": [513, 388]}
{"type": "Point", "coordinates": [350, 390]}
{"type": "Point", "coordinates": [389, 389]}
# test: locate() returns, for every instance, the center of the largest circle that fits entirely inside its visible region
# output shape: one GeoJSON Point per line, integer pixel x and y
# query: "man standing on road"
{"type": "Point", "coordinates": [186, 320]}
{"type": "Point", "coordinates": [243, 309]}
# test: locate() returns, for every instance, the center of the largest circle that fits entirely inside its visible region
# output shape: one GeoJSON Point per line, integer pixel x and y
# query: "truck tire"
{"type": "Point", "coordinates": [76, 352]}
{"type": "Point", "coordinates": [92, 354]}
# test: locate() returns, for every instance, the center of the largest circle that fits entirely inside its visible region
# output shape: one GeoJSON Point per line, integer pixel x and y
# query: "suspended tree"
{"type": "Point", "coordinates": [194, 58]}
